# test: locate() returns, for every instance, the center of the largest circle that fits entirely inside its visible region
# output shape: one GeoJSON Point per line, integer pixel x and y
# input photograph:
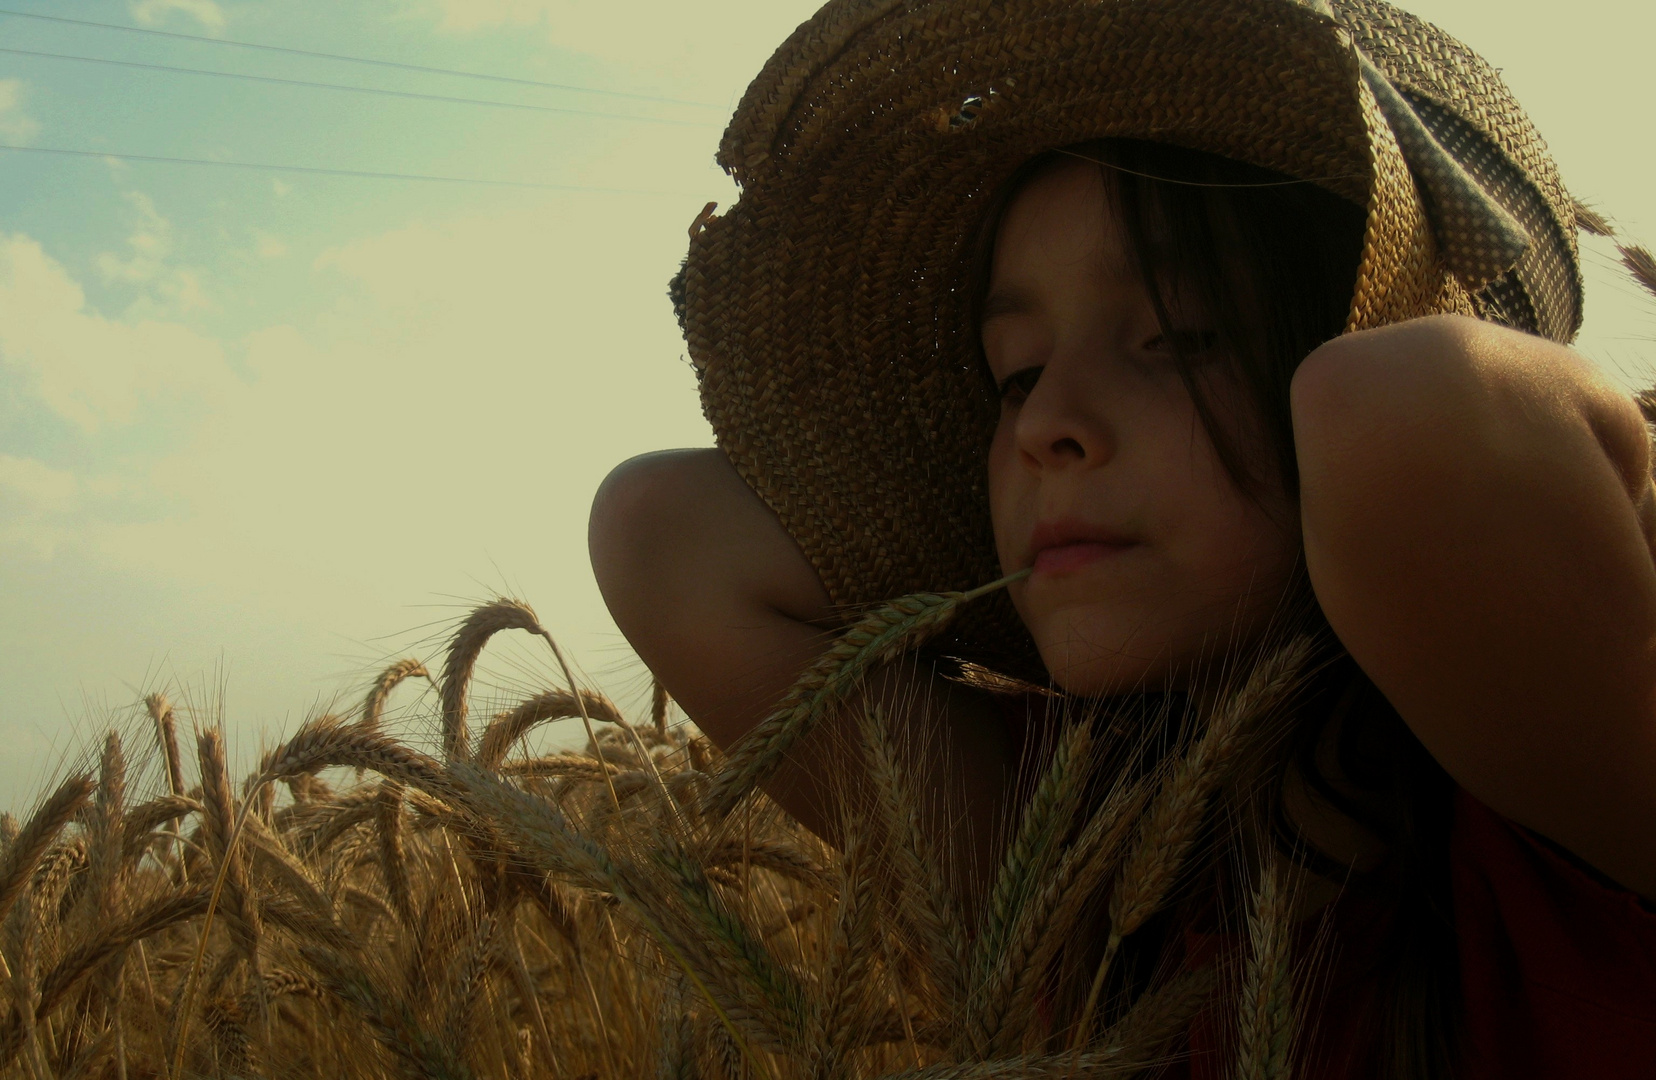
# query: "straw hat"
{"type": "Point", "coordinates": [826, 312]}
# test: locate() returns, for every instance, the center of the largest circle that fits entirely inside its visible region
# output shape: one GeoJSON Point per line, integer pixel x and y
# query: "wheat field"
{"type": "Point", "coordinates": [363, 907]}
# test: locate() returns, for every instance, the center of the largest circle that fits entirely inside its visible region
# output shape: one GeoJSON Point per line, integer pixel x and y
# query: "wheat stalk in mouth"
{"type": "Point", "coordinates": [881, 635]}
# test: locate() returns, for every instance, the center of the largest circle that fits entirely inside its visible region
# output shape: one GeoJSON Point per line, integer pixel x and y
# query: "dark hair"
{"type": "Point", "coordinates": [1270, 264]}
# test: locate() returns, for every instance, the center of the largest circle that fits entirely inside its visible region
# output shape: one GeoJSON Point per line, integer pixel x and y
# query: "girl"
{"type": "Point", "coordinates": [1224, 319]}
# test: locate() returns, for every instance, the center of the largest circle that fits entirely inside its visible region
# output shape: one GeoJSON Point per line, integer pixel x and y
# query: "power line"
{"type": "Point", "coordinates": [357, 59]}
{"type": "Point", "coordinates": [355, 89]}
{"type": "Point", "coordinates": [316, 170]}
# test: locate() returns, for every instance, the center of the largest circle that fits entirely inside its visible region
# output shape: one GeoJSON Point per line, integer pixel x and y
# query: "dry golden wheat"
{"type": "Point", "coordinates": [456, 914]}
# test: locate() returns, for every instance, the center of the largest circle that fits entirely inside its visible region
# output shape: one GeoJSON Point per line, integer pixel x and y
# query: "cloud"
{"type": "Point", "coordinates": [89, 370]}
{"type": "Point", "coordinates": [35, 485]}
{"type": "Point", "coordinates": [165, 289]}
{"type": "Point", "coordinates": [14, 122]}
{"type": "Point", "coordinates": [676, 40]}
{"type": "Point", "coordinates": [34, 497]}
{"type": "Point", "coordinates": [268, 245]}
{"type": "Point", "coordinates": [153, 12]}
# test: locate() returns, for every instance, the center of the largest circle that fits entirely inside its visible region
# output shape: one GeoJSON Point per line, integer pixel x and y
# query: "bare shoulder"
{"type": "Point", "coordinates": [1477, 512]}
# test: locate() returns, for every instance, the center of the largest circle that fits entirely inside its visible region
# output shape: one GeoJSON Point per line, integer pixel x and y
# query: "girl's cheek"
{"type": "Point", "coordinates": [1004, 493]}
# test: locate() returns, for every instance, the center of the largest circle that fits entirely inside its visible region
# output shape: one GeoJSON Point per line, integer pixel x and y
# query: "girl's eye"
{"type": "Point", "coordinates": [1193, 343]}
{"type": "Point", "coordinates": [1016, 387]}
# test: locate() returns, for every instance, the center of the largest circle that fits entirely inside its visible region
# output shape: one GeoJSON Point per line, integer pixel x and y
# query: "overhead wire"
{"type": "Point", "coordinates": [318, 170]}
{"type": "Point", "coordinates": [408, 94]}
{"type": "Point", "coordinates": [344, 58]}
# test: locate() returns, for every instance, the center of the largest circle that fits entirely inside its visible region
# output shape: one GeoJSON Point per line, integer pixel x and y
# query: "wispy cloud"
{"type": "Point", "coordinates": [675, 40]}
{"type": "Point", "coordinates": [166, 289]}
{"type": "Point", "coordinates": [15, 123]}
{"type": "Point", "coordinates": [89, 370]}
{"type": "Point", "coordinates": [153, 12]}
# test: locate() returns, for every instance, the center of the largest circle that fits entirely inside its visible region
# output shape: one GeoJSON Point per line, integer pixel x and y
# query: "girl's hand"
{"type": "Point", "coordinates": [724, 608]}
{"type": "Point", "coordinates": [1478, 515]}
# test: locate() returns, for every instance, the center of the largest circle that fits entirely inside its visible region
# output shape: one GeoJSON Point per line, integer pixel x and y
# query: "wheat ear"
{"type": "Point", "coordinates": [1175, 817]}
{"type": "Point", "coordinates": [1038, 844]}
{"type": "Point", "coordinates": [883, 634]}
{"type": "Point", "coordinates": [37, 835]}
{"type": "Point", "coordinates": [91, 954]}
{"type": "Point", "coordinates": [1049, 921]}
{"type": "Point", "coordinates": [844, 983]}
{"type": "Point", "coordinates": [1636, 258]}
{"type": "Point", "coordinates": [563, 766]}
{"type": "Point", "coordinates": [220, 819]}
{"type": "Point", "coordinates": [145, 818]}
{"type": "Point", "coordinates": [1265, 1028]}
{"type": "Point", "coordinates": [926, 904]}
{"type": "Point", "coordinates": [544, 838]}
{"type": "Point", "coordinates": [418, 1055]}
{"type": "Point", "coordinates": [735, 968]}
{"type": "Point", "coordinates": [508, 727]}
{"type": "Point", "coordinates": [1161, 1016]}
{"type": "Point", "coordinates": [658, 708]}
{"type": "Point", "coordinates": [373, 705]}
{"type": "Point", "coordinates": [462, 989]}
{"type": "Point", "coordinates": [467, 645]}
{"type": "Point", "coordinates": [166, 737]}
{"type": "Point", "coordinates": [777, 856]}
{"type": "Point", "coordinates": [388, 821]}
{"type": "Point", "coordinates": [1641, 264]}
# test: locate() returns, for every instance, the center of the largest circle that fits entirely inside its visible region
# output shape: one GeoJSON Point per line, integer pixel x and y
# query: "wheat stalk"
{"type": "Point", "coordinates": [777, 856]}
{"type": "Point", "coordinates": [417, 1055]}
{"type": "Point", "coordinates": [1051, 920]}
{"type": "Point", "coordinates": [388, 821]}
{"type": "Point", "coordinates": [883, 634]}
{"type": "Point", "coordinates": [926, 904]}
{"type": "Point", "coordinates": [220, 820]}
{"type": "Point", "coordinates": [145, 818]}
{"type": "Point", "coordinates": [466, 646]}
{"type": "Point", "coordinates": [1037, 846]}
{"type": "Point", "coordinates": [166, 737]}
{"type": "Point", "coordinates": [846, 973]}
{"type": "Point", "coordinates": [566, 766]}
{"type": "Point", "coordinates": [1641, 264]}
{"type": "Point", "coordinates": [373, 705]}
{"type": "Point", "coordinates": [1265, 1028]}
{"type": "Point", "coordinates": [147, 921]}
{"type": "Point", "coordinates": [658, 708]}
{"type": "Point", "coordinates": [508, 727]}
{"type": "Point", "coordinates": [37, 835]}
{"type": "Point", "coordinates": [1591, 221]}
{"type": "Point", "coordinates": [1161, 1016]}
{"type": "Point", "coordinates": [1174, 818]}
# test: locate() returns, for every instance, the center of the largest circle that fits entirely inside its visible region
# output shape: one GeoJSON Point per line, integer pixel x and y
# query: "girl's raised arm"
{"type": "Point", "coordinates": [1478, 515]}
{"type": "Point", "coordinates": [721, 604]}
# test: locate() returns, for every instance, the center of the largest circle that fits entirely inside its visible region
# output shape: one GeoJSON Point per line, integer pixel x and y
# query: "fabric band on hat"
{"type": "Point", "coordinates": [1478, 238]}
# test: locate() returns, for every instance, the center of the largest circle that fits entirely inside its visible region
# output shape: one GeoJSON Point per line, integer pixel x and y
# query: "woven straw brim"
{"type": "Point", "coordinates": [827, 311]}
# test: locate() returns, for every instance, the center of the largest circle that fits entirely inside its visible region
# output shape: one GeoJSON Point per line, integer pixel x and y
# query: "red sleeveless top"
{"type": "Point", "coordinates": [1557, 970]}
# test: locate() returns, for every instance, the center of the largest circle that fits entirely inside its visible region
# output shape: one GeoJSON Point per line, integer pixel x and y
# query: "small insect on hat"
{"type": "Point", "coordinates": [827, 312]}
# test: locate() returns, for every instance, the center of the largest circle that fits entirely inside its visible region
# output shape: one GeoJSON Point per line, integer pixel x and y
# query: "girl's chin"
{"type": "Point", "coordinates": [1092, 668]}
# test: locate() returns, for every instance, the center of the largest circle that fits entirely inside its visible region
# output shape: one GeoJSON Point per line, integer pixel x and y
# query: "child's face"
{"type": "Point", "coordinates": [1147, 556]}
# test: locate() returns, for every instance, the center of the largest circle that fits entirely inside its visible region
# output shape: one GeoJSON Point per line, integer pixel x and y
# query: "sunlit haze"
{"type": "Point", "coordinates": [263, 429]}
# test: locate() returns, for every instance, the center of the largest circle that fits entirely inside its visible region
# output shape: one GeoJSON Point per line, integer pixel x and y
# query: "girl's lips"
{"type": "Point", "coordinates": [1067, 558]}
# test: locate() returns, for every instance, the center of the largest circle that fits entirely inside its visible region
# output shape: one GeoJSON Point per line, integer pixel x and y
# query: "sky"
{"type": "Point", "coordinates": [262, 430]}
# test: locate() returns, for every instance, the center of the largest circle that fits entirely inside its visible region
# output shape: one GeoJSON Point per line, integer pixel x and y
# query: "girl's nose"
{"type": "Point", "coordinates": [1060, 425]}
